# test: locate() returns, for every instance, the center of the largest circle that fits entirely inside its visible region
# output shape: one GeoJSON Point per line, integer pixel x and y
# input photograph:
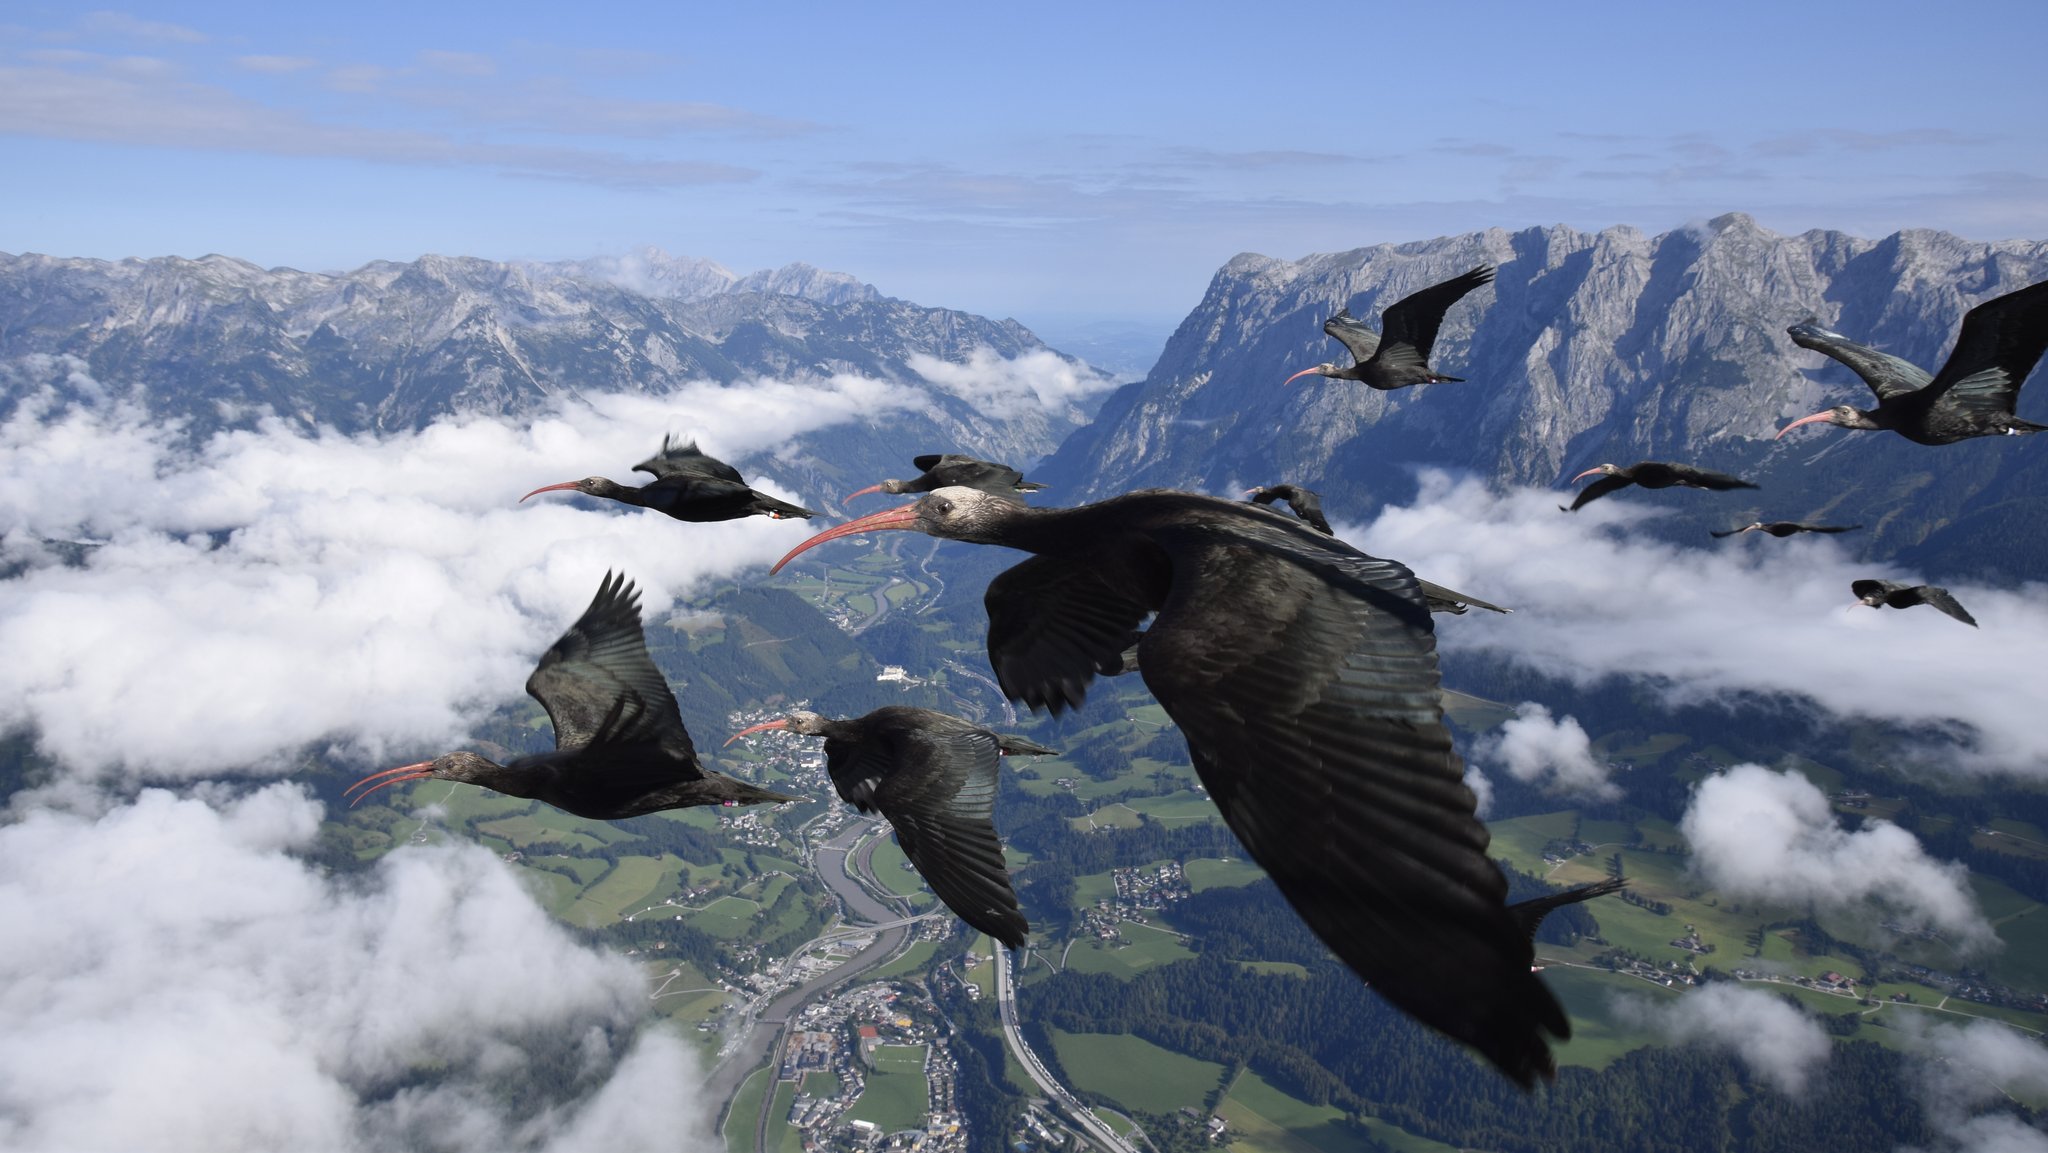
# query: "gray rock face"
{"type": "Point", "coordinates": [1588, 347]}
{"type": "Point", "coordinates": [216, 341]}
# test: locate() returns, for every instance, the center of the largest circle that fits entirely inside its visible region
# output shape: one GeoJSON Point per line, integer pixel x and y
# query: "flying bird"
{"type": "Point", "coordinates": [1305, 503]}
{"type": "Point", "coordinates": [1876, 593]}
{"type": "Point", "coordinates": [934, 777]}
{"type": "Point", "coordinates": [1398, 355]}
{"type": "Point", "coordinates": [687, 485]}
{"type": "Point", "coordinates": [1650, 474]}
{"type": "Point", "coordinates": [620, 746]}
{"type": "Point", "coordinates": [1975, 393]}
{"type": "Point", "coordinates": [1785, 528]}
{"type": "Point", "coordinates": [944, 471]}
{"type": "Point", "coordinates": [1303, 674]}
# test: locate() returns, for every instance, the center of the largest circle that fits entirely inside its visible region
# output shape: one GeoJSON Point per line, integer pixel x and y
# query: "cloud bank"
{"type": "Point", "coordinates": [1005, 388]}
{"type": "Point", "coordinates": [367, 593]}
{"type": "Point", "coordinates": [1773, 619]}
{"type": "Point", "coordinates": [172, 979]}
{"type": "Point", "coordinates": [1553, 753]}
{"type": "Point", "coordinates": [1777, 1041]}
{"type": "Point", "coordinates": [1768, 835]}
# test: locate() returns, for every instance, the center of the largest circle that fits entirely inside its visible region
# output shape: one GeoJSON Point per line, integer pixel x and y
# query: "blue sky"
{"type": "Point", "coordinates": [1043, 161]}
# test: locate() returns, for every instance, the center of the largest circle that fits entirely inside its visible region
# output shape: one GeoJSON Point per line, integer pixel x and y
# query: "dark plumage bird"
{"type": "Point", "coordinates": [1651, 474]}
{"type": "Point", "coordinates": [1876, 593]}
{"type": "Point", "coordinates": [1784, 528]}
{"type": "Point", "coordinates": [944, 471]}
{"type": "Point", "coordinates": [1398, 355]}
{"type": "Point", "coordinates": [1305, 503]}
{"type": "Point", "coordinates": [1308, 506]}
{"type": "Point", "coordinates": [1303, 674]}
{"type": "Point", "coordinates": [1975, 393]}
{"type": "Point", "coordinates": [934, 777]}
{"type": "Point", "coordinates": [620, 746]}
{"type": "Point", "coordinates": [687, 485]}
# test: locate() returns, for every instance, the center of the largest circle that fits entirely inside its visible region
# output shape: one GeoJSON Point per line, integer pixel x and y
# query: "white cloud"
{"type": "Point", "coordinates": [1773, 618]}
{"type": "Point", "coordinates": [1007, 388]}
{"type": "Point", "coordinates": [1555, 753]}
{"type": "Point", "coordinates": [1482, 788]}
{"type": "Point", "coordinates": [1777, 1041]}
{"type": "Point", "coordinates": [374, 592]}
{"type": "Point", "coordinates": [171, 978]}
{"type": "Point", "coordinates": [1966, 1067]}
{"type": "Point", "coordinates": [1758, 833]}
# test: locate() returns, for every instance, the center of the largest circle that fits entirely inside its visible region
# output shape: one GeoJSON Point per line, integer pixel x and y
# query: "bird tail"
{"type": "Point", "coordinates": [2018, 426]}
{"type": "Point", "coordinates": [1528, 914]}
{"type": "Point", "coordinates": [1438, 378]}
{"type": "Point", "coordinates": [1028, 486]}
{"type": "Point", "coordinates": [783, 508]}
{"type": "Point", "coordinates": [1016, 746]}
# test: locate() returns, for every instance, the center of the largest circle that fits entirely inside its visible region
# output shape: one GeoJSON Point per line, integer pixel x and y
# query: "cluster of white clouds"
{"type": "Point", "coordinates": [1008, 387]}
{"type": "Point", "coordinates": [172, 975]}
{"type": "Point", "coordinates": [1746, 616]}
{"type": "Point", "coordinates": [1772, 836]}
{"type": "Point", "coordinates": [1554, 753]}
{"type": "Point", "coordinates": [1778, 1041]}
{"type": "Point", "coordinates": [171, 978]}
{"type": "Point", "coordinates": [374, 592]}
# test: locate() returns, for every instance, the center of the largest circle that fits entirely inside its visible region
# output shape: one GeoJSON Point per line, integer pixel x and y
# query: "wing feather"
{"type": "Point", "coordinates": [1053, 624]}
{"type": "Point", "coordinates": [600, 686]}
{"type": "Point", "coordinates": [1887, 375]}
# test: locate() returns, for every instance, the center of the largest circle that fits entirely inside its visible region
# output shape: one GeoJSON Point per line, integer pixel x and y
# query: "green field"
{"type": "Point", "coordinates": [746, 1106]}
{"type": "Point", "coordinates": [1134, 1072]}
{"type": "Point", "coordinates": [1206, 873]}
{"type": "Point", "coordinates": [622, 890]}
{"type": "Point", "coordinates": [889, 866]}
{"type": "Point", "coordinates": [1266, 1120]}
{"type": "Point", "coordinates": [782, 1136]}
{"type": "Point", "coordinates": [726, 918]}
{"type": "Point", "coordinates": [821, 1083]}
{"type": "Point", "coordinates": [897, 1095]}
{"type": "Point", "coordinates": [1148, 947]}
{"type": "Point", "coordinates": [913, 960]}
{"type": "Point", "coordinates": [1599, 1034]}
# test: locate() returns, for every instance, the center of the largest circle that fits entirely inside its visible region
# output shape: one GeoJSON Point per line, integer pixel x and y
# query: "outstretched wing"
{"type": "Point", "coordinates": [1353, 334]}
{"type": "Point", "coordinates": [1414, 319]}
{"type": "Point", "coordinates": [1598, 489]}
{"type": "Point", "coordinates": [1305, 681]}
{"type": "Point", "coordinates": [1053, 624]}
{"type": "Point", "coordinates": [936, 783]}
{"type": "Point", "coordinates": [1939, 598]}
{"type": "Point", "coordinates": [685, 460]}
{"type": "Point", "coordinates": [2000, 343]}
{"type": "Point", "coordinates": [600, 687]}
{"type": "Point", "coordinates": [1887, 375]}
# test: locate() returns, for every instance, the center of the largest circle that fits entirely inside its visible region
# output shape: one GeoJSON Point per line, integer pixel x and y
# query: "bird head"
{"type": "Point", "coordinates": [588, 486]}
{"type": "Point", "coordinates": [800, 722]}
{"type": "Point", "coordinates": [1842, 415]}
{"type": "Point", "coordinates": [1328, 368]}
{"type": "Point", "coordinates": [1608, 469]}
{"type": "Point", "coordinates": [955, 513]}
{"type": "Point", "coordinates": [464, 767]}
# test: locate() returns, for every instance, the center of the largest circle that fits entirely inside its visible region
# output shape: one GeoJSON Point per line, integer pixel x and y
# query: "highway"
{"type": "Point", "coordinates": [1006, 1003]}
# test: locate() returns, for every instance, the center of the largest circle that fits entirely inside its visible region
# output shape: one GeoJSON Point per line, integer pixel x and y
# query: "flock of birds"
{"type": "Point", "coordinates": [1302, 673]}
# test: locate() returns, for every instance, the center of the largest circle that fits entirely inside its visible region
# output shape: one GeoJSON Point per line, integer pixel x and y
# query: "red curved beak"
{"type": "Point", "coordinates": [550, 488]}
{"type": "Point", "coordinates": [781, 723]}
{"type": "Point", "coordinates": [1803, 420]}
{"type": "Point", "coordinates": [1582, 476]}
{"type": "Point", "coordinates": [398, 776]}
{"type": "Point", "coordinates": [903, 518]}
{"type": "Point", "coordinates": [862, 492]}
{"type": "Point", "coordinates": [1299, 375]}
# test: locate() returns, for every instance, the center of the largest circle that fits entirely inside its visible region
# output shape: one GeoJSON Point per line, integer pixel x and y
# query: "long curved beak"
{"type": "Point", "coordinates": [904, 517]}
{"type": "Point", "coordinates": [1302, 373]}
{"type": "Point", "coordinates": [550, 488]}
{"type": "Point", "coordinates": [1582, 476]}
{"type": "Point", "coordinates": [778, 723]}
{"type": "Point", "coordinates": [1803, 420]}
{"type": "Point", "coordinates": [398, 776]}
{"type": "Point", "coordinates": [862, 492]}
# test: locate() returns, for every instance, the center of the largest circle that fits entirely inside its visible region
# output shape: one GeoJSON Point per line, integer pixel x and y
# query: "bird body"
{"type": "Point", "coordinates": [1785, 528]}
{"type": "Point", "coordinates": [1651, 474]}
{"type": "Point", "coordinates": [1876, 593]}
{"type": "Point", "coordinates": [934, 777]}
{"type": "Point", "coordinates": [688, 485]}
{"type": "Point", "coordinates": [1398, 355]}
{"type": "Point", "coordinates": [951, 469]}
{"type": "Point", "coordinates": [621, 748]}
{"type": "Point", "coordinates": [1975, 394]}
{"type": "Point", "coordinates": [1303, 675]}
